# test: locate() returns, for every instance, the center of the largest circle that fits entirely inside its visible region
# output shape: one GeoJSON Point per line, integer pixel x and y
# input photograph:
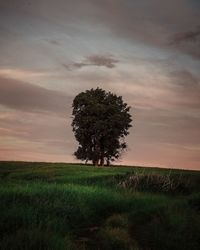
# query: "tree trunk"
{"type": "Point", "coordinates": [95, 162]}
{"type": "Point", "coordinates": [107, 162]}
{"type": "Point", "coordinates": [102, 155]}
{"type": "Point", "coordinates": [102, 161]}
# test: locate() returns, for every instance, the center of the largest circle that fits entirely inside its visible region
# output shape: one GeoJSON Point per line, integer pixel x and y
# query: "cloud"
{"type": "Point", "coordinates": [189, 36]}
{"type": "Point", "coordinates": [36, 38]}
{"type": "Point", "coordinates": [185, 90]}
{"type": "Point", "coordinates": [107, 61]}
{"type": "Point", "coordinates": [20, 73]}
{"type": "Point", "coordinates": [52, 41]}
{"type": "Point", "coordinates": [174, 89]}
{"type": "Point", "coordinates": [66, 66]}
{"type": "Point", "coordinates": [132, 21]}
{"type": "Point", "coordinates": [139, 21]}
{"type": "Point", "coordinates": [48, 129]}
{"type": "Point", "coordinates": [185, 79]}
{"type": "Point", "coordinates": [24, 96]}
{"type": "Point", "coordinates": [188, 42]}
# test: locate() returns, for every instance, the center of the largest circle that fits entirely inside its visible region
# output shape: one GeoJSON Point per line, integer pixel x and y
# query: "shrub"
{"type": "Point", "coordinates": [114, 239]}
{"type": "Point", "coordinates": [155, 183]}
{"type": "Point", "coordinates": [117, 220]}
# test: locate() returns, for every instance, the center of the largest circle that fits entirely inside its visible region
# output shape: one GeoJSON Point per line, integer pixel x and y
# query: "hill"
{"type": "Point", "coordinates": [69, 206]}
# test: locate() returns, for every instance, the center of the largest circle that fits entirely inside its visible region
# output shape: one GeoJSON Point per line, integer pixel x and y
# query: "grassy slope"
{"type": "Point", "coordinates": [63, 206]}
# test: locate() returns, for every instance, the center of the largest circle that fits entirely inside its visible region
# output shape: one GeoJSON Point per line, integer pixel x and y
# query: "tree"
{"type": "Point", "coordinates": [100, 123]}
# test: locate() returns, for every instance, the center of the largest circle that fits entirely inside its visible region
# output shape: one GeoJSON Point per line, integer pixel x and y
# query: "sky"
{"type": "Point", "coordinates": [147, 51]}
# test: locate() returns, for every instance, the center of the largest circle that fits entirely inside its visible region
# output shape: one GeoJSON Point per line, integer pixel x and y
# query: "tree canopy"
{"type": "Point", "coordinates": [100, 123]}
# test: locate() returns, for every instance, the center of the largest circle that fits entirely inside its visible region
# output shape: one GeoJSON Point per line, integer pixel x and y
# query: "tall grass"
{"type": "Point", "coordinates": [59, 206]}
{"type": "Point", "coordinates": [155, 182]}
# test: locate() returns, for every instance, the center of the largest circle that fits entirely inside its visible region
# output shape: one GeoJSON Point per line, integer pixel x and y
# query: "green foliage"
{"type": "Point", "coordinates": [170, 227]}
{"type": "Point", "coordinates": [65, 206]}
{"type": "Point", "coordinates": [194, 201]}
{"type": "Point", "coordinates": [100, 124]}
{"type": "Point", "coordinates": [35, 239]}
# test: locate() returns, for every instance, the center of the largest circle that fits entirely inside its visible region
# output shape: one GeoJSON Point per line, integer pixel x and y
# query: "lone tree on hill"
{"type": "Point", "coordinates": [100, 123]}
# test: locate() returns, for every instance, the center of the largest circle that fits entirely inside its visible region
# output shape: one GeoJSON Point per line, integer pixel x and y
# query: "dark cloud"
{"type": "Point", "coordinates": [81, 65]}
{"type": "Point", "coordinates": [32, 98]}
{"type": "Point", "coordinates": [150, 21]}
{"type": "Point", "coordinates": [107, 61]}
{"type": "Point", "coordinates": [66, 66]}
{"type": "Point", "coordinates": [98, 60]}
{"type": "Point", "coordinates": [52, 41]}
{"type": "Point", "coordinates": [189, 36]}
{"type": "Point", "coordinates": [188, 42]}
{"type": "Point", "coordinates": [137, 21]}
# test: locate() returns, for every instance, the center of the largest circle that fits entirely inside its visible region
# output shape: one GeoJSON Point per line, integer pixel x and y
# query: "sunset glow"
{"type": "Point", "coordinates": [146, 51]}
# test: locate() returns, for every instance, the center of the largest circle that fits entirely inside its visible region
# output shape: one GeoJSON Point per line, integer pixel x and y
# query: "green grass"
{"type": "Point", "coordinates": [68, 206]}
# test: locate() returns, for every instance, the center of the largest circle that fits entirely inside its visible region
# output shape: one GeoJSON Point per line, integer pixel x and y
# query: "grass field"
{"type": "Point", "coordinates": [66, 206]}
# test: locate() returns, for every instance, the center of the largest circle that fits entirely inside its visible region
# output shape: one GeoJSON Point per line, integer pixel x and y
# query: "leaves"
{"type": "Point", "coordinates": [100, 122]}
